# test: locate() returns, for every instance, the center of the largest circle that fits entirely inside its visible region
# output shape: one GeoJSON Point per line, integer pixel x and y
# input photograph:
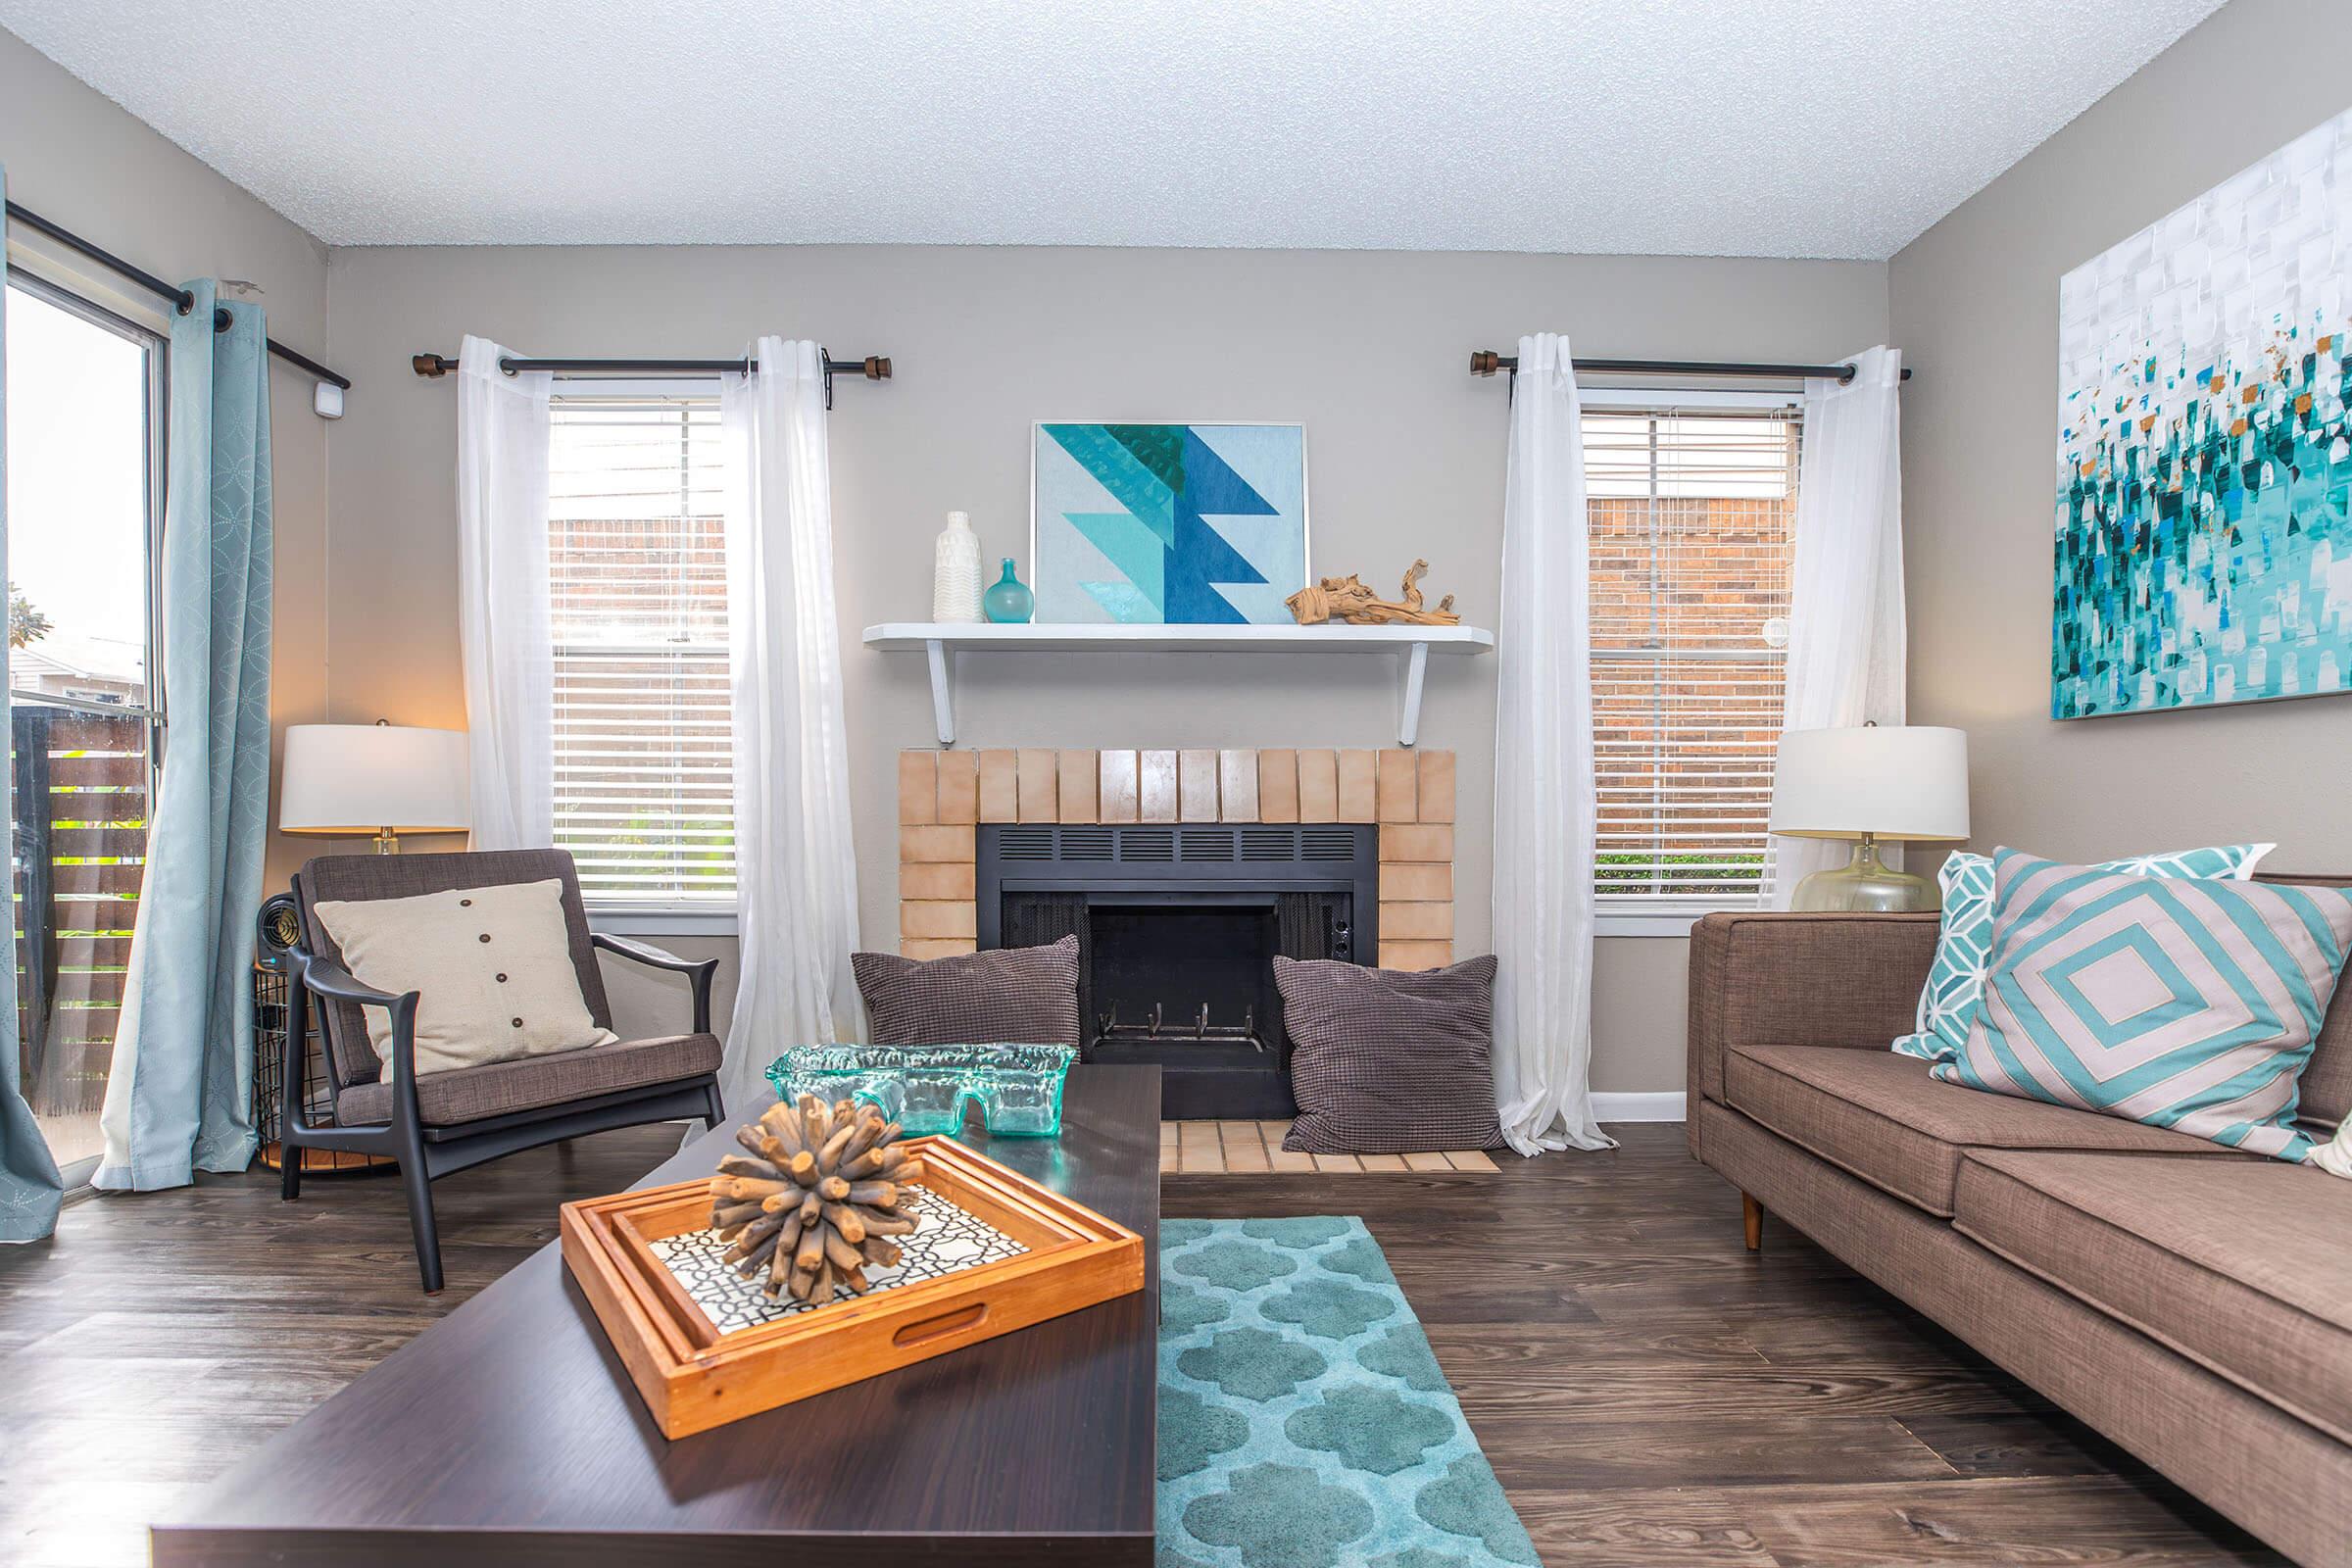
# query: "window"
{"type": "Point", "coordinates": [1693, 513]}
{"type": "Point", "coordinates": [84, 510]}
{"type": "Point", "coordinates": [637, 557]}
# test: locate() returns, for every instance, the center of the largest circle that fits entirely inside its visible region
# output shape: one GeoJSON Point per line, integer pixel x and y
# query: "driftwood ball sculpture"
{"type": "Point", "coordinates": [816, 1199]}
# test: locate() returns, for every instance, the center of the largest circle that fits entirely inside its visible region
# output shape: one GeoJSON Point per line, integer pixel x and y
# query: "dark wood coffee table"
{"type": "Point", "coordinates": [508, 1433]}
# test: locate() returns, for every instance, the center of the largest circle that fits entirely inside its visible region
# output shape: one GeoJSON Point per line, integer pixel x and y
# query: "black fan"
{"type": "Point", "coordinates": [278, 929]}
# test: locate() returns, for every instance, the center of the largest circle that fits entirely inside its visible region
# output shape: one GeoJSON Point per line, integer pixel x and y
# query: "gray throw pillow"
{"type": "Point", "coordinates": [1390, 1061]}
{"type": "Point", "coordinates": [1005, 995]}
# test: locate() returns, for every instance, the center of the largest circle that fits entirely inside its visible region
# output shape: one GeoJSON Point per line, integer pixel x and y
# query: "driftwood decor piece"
{"type": "Point", "coordinates": [817, 1200]}
{"type": "Point", "coordinates": [1348, 599]}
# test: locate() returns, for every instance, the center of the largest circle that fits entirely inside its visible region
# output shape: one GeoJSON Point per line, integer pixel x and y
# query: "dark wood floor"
{"type": "Point", "coordinates": [1648, 1392]}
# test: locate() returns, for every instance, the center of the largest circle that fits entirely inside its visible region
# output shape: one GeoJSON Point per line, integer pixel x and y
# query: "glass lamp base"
{"type": "Point", "coordinates": [1865, 884]}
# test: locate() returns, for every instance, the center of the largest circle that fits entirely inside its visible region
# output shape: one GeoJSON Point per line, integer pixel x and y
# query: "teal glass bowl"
{"type": "Point", "coordinates": [924, 1087]}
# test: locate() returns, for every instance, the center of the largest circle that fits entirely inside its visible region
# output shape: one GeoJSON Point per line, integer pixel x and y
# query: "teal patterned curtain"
{"type": "Point", "coordinates": [181, 1094]}
{"type": "Point", "coordinates": [30, 1186]}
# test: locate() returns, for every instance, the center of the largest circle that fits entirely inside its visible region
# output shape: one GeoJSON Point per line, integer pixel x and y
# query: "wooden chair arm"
{"type": "Point", "coordinates": [701, 970]}
{"type": "Point", "coordinates": [325, 978]}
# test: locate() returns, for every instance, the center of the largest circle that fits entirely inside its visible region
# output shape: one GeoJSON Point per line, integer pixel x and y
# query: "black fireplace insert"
{"type": "Point", "coordinates": [1178, 927]}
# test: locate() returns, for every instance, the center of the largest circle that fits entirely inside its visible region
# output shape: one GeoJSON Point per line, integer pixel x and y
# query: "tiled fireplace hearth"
{"type": "Point", "coordinates": [1182, 874]}
{"type": "Point", "coordinates": [1408, 795]}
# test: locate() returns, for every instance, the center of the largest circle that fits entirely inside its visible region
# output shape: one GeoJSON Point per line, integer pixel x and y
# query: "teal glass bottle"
{"type": "Point", "coordinates": [1009, 602]}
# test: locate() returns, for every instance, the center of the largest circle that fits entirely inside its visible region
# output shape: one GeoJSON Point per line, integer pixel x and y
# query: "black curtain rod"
{"type": "Point", "coordinates": [182, 300]}
{"type": "Point", "coordinates": [875, 368]}
{"type": "Point", "coordinates": [1486, 361]}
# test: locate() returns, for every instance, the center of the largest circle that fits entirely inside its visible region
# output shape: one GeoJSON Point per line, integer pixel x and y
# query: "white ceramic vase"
{"type": "Point", "coordinates": [955, 573]}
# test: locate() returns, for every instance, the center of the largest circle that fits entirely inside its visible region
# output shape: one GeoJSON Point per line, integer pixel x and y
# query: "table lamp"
{"type": "Point", "coordinates": [1898, 782]}
{"type": "Point", "coordinates": [381, 779]}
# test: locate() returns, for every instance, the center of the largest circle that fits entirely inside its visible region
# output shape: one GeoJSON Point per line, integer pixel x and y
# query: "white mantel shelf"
{"type": "Point", "coordinates": [1410, 646]}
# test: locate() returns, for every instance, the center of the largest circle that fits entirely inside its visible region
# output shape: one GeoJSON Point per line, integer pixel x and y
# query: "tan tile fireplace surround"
{"type": "Point", "coordinates": [1408, 793]}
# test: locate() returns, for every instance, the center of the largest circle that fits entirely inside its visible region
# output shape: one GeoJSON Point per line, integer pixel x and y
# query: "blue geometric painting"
{"type": "Point", "coordinates": [1168, 524]}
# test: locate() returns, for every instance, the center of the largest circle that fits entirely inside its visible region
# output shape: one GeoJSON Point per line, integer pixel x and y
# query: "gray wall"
{"type": "Point", "coordinates": [1368, 349]}
{"type": "Point", "coordinates": [76, 159]}
{"type": "Point", "coordinates": [1975, 310]}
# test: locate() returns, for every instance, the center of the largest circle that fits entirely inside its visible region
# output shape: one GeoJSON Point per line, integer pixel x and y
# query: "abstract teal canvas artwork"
{"type": "Point", "coordinates": [2203, 552]}
{"type": "Point", "coordinates": [1174, 524]}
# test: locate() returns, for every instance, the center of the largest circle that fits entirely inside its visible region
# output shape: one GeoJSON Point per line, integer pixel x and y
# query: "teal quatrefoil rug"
{"type": "Point", "coordinates": [1304, 1421]}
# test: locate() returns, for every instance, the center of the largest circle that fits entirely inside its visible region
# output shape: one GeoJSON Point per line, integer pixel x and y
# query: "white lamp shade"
{"type": "Point", "coordinates": [352, 779]}
{"type": "Point", "coordinates": [1895, 782]}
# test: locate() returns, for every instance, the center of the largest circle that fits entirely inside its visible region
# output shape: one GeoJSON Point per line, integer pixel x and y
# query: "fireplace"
{"type": "Point", "coordinates": [1178, 927]}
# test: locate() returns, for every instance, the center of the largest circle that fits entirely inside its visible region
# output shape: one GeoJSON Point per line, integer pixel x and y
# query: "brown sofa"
{"type": "Point", "coordinates": [2191, 1302]}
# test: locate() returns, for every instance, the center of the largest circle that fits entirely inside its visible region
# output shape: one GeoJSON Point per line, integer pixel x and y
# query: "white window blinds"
{"type": "Point", "coordinates": [637, 557]}
{"type": "Point", "coordinates": [1691, 517]}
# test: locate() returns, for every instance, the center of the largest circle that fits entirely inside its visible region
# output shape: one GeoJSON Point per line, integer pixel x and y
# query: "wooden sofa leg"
{"type": "Point", "coordinates": [1751, 1222]}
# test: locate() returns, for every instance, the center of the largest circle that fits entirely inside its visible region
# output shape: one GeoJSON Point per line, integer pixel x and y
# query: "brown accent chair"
{"type": "Point", "coordinates": [2191, 1302]}
{"type": "Point", "coordinates": [442, 1122]}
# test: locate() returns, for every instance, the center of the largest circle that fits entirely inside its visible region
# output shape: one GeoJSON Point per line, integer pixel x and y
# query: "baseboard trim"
{"type": "Point", "coordinates": [1660, 1106]}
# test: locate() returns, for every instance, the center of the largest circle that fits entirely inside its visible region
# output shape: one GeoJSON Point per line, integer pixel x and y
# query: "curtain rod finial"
{"type": "Point", "coordinates": [431, 364]}
{"type": "Point", "coordinates": [1484, 362]}
{"type": "Point", "coordinates": [877, 368]}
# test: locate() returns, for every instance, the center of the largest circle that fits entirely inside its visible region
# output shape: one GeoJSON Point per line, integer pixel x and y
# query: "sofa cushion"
{"type": "Point", "coordinates": [1947, 1002]}
{"type": "Point", "coordinates": [2241, 1265]}
{"type": "Point", "coordinates": [402, 876]}
{"type": "Point", "coordinates": [1390, 1061]}
{"type": "Point", "coordinates": [491, 968]}
{"type": "Point", "coordinates": [501, 1088]}
{"type": "Point", "coordinates": [1883, 1118]}
{"type": "Point", "coordinates": [2190, 1004]}
{"type": "Point", "coordinates": [1001, 996]}
{"type": "Point", "coordinates": [2325, 1095]}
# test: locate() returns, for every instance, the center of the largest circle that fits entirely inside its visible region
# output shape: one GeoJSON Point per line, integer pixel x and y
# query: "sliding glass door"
{"type": "Point", "coordinates": [85, 507]}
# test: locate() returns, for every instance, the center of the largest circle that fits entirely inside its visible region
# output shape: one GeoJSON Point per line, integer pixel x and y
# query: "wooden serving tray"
{"type": "Point", "coordinates": [693, 1377]}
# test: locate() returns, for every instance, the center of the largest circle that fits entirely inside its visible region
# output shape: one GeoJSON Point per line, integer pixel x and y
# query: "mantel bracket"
{"type": "Point", "coordinates": [942, 661]}
{"type": "Point", "coordinates": [1412, 665]}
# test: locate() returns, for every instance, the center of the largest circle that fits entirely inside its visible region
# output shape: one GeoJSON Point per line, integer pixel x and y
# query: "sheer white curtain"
{"type": "Point", "coordinates": [503, 611]}
{"type": "Point", "coordinates": [1846, 600]}
{"type": "Point", "coordinates": [1544, 808]}
{"type": "Point", "coordinates": [796, 865]}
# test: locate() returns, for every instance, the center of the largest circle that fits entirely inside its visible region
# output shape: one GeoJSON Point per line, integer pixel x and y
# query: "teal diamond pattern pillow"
{"type": "Point", "coordinates": [1947, 1003]}
{"type": "Point", "coordinates": [2181, 1002]}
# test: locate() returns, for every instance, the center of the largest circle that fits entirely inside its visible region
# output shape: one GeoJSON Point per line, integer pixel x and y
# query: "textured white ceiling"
{"type": "Point", "coordinates": [1753, 127]}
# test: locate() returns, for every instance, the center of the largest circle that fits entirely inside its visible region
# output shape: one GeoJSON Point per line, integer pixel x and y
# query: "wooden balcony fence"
{"type": "Point", "coordinates": [79, 782]}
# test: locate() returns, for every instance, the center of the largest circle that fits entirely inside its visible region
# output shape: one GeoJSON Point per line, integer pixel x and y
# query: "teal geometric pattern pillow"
{"type": "Point", "coordinates": [1947, 1005]}
{"type": "Point", "coordinates": [2181, 1002]}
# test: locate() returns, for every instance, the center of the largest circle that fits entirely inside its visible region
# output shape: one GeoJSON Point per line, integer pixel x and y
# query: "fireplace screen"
{"type": "Point", "coordinates": [1177, 929]}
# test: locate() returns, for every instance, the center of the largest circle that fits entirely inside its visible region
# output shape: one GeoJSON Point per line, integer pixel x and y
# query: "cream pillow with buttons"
{"type": "Point", "coordinates": [491, 968]}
